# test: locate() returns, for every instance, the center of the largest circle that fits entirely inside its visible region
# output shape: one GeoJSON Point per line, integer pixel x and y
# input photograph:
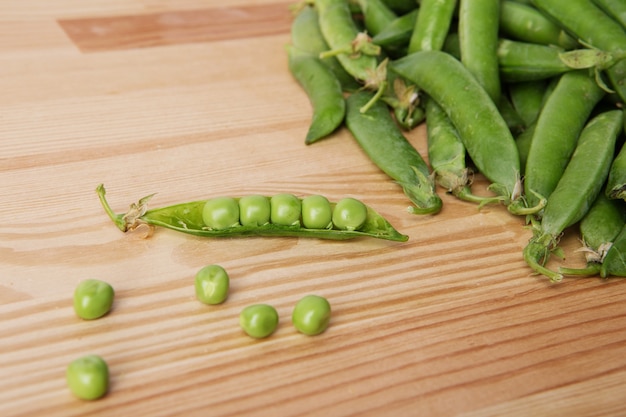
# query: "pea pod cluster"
{"type": "Point", "coordinates": [528, 94]}
{"type": "Point", "coordinates": [256, 215]}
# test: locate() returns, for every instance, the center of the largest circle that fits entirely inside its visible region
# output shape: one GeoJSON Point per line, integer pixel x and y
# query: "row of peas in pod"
{"type": "Point", "coordinates": [529, 93]}
{"type": "Point", "coordinates": [88, 376]}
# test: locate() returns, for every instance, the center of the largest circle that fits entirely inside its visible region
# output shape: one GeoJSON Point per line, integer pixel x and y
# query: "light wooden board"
{"type": "Point", "coordinates": [155, 96]}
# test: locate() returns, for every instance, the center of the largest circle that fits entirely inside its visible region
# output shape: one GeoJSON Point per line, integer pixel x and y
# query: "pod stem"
{"type": "Point", "coordinates": [591, 269]}
{"type": "Point", "coordinates": [128, 220]}
{"type": "Point", "coordinates": [465, 193]}
{"type": "Point", "coordinates": [537, 252]}
{"type": "Point", "coordinates": [379, 93]}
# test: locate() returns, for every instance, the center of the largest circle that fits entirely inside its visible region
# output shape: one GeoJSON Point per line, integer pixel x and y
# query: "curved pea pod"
{"type": "Point", "coordinates": [616, 183]}
{"type": "Point", "coordinates": [587, 22]}
{"type": "Point", "coordinates": [188, 218]}
{"type": "Point", "coordinates": [398, 32]}
{"type": "Point", "coordinates": [557, 130]}
{"type": "Point", "coordinates": [598, 230]}
{"type": "Point", "coordinates": [376, 15]}
{"type": "Point", "coordinates": [432, 25]}
{"type": "Point", "coordinates": [577, 189]}
{"type": "Point", "coordinates": [350, 46]}
{"type": "Point", "coordinates": [307, 36]}
{"type": "Point", "coordinates": [525, 23]}
{"type": "Point", "coordinates": [446, 155]}
{"type": "Point", "coordinates": [379, 136]}
{"type": "Point", "coordinates": [478, 29]}
{"type": "Point", "coordinates": [483, 131]}
{"type": "Point", "coordinates": [324, 92]}
{"type": "Point", "coordinates": [524, 61]}
{"type": "Point", "coordinates": [614, 263]}
{"type": "Point", "coordinates": [354, 49]}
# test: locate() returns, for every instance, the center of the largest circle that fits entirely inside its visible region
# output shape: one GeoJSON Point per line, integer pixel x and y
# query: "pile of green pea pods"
{"type": "Point", "coordinates": [529, 93]}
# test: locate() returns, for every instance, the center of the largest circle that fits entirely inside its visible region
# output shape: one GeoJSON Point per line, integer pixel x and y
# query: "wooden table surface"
{"type": "Point", "coordinates": [192, 99]}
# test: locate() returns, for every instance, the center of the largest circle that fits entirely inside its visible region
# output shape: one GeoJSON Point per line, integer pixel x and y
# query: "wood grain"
{"type": "Point", "coordinates": [450, 323]}
{"type": "Point", "coordinates": [173, 27]}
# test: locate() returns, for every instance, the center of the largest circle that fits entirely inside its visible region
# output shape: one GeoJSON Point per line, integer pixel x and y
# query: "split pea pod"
{"type": "Point", "coordinates": [484, 133]}
{"type": "Point", "coordinates": [576, 190]}
{"type": "Point", "coordinates": [379, 136]}
{"type": "Point", "coordinates": [307, 36]}
{"type": "Point", "coordinates": [616, 183]}
{"type": "Point", "coordinates": [587, 22]}
{"type": "Point", "coordinates": [524, 22]}
{"type": "Point", "coordinates": [256, 215]}
{"type": "Point", "coordinates": [432, 25]}
{"type": "Point", "coordinates": [598, 230]}
{"type": "Point", "coordinates": [446, 155]}
{"type": "Point", "coordinates": [556, 133]}
{"type": "Point", "coordinates": [478, 36]}
{"type": "Point", "coordinates": [324, 92]}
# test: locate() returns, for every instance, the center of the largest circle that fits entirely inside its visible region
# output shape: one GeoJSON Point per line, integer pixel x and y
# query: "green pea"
{"type": "Point", "coordinates": [349, 214]}
{"type": "Point", "coordinates": [221, 213]}
{"type": "Point", "coordinates": [93, 299]}
{"type": "Point", "coordinates": [254, 210]}
{"type": "Point", "coordinates": [88, 377]}
{"type": "Point", "coordinates": [285, 210]}
{"type": "Point", "coordinates": [212, 284]}
{"type": "Point", "coordinates": [311, 315]}
{"type": "Point", "coordinates": [259, 320]}
{"type": "Point", "coordinates": [316, 212]}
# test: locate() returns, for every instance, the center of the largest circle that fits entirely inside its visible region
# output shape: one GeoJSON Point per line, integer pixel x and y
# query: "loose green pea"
{"type": "Point", "coordinates": [88, 377]}
{"type": "Point", "coordinates": [349, 214]}
{"type": "Point", "coordinates": [212, 284]}
{"type": "Point", "coordinates": [254, 210]}
{"type": "Point", "coordinates": [285, 209]}
{"type": "Point", "coordinates": [93, 299]}
{"type": "Point", "coordinates": [316, 212]}
{"type": "Point", "coordinates": [259, 320]}
{"type": "Point", "coordinates": [221, 213]}
{"type": "Point", "coordinates": [311, 315]}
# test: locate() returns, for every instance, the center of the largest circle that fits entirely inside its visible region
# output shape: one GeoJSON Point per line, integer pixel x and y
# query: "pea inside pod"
{"type": "Point", "coordinates": [286, 217]}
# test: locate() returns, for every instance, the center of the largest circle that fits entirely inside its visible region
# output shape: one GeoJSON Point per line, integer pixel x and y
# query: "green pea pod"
{"type": "Point", "coordinates": [485, 135]}
{"type": "Point", "coordinates": [306, 36]}
{"type": "Point", "coordinates": [324, 92]}
{"type": "Point", "coordinates": [479, 22]}
{"type": "Point", "coordinates": [523, 61]}
{"type": "Point", "coordinates": [380, 137]}
{"type": "Point", "coordinates": [598, 230]}
{"type": "Point", "coordinates": [587, 22]}
{"type": "Point", "coordinates": [343, 36]}
{"type": "Point", "coordinates": [616, 183]}
{"type": "Point", "coordinates": [614, 263]}
{"type": "Point", "coordinates": [527, 99]}
{"type": "Point", "coordinates": [446, 155]}
{"type": "Point", "coordinates": [432, 25]}
{"type": "Point", "coordinates": [188, 218]}
{"type": "Point", "coordinates": [398, 32]}
{"type": "Point", "coordinates": [556, 133]}
{"type": "Point", "coordinates": [576, 190]}
{"type": "Point", "coordinates": [614, 8]}
{"type": "Point", "coordinates": [376, 15]}
{"type": "Point", "coordinates": [354, 49]}
{"type": "Point", "coordinates": [401, 6]}
{"type": "Point", "coordinates": [525, 23]}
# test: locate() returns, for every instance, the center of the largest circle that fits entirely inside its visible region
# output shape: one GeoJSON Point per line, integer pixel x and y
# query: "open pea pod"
{"type": "Point", "coordinates": [188, 218]}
